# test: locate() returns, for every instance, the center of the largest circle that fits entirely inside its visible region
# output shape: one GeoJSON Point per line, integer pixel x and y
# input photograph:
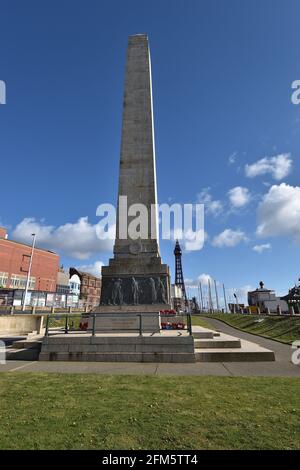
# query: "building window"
{"type": "Point", "coordinates": [19, 282]}
{"type": "Point", "coordinates": [31, 282]}
{"type": "Point", "coordinates": [3, 279]}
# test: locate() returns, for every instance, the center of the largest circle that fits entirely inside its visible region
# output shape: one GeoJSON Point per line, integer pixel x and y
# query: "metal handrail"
{"type": "Point", "coordinates": [93, 330]}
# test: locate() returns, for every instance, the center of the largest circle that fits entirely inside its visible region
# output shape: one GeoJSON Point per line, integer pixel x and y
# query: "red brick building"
{"type": "Point", "coordinates": [90, 288]}
{"type": "Point", "coordinates": [14, 264]}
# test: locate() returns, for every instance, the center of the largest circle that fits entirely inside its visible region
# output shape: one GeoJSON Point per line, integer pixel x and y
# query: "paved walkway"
{"type": "Point", "coordinates": [281, 367]}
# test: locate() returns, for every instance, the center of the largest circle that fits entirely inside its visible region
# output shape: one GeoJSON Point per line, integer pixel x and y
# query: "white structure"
{"type": "Point", "coordinates": [266, 299]}
{"type": "Point", "coordinates": [177, 299]}
{"type": "Point", "coordinates": [176, 291]}
{"type": "Point", "coordinates": [74, 284]}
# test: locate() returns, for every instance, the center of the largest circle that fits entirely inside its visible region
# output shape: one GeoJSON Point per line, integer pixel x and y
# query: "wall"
{"type": "Point", "coordinates": [21, 324]}
{"type": "Point", "coordinates": [15, 258]}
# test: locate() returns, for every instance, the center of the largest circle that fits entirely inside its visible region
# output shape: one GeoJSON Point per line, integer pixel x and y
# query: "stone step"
{"type": "Point", "coordinates": [248, 352]}
{"type": "Point", "coordinates": [13, 354]}
{"type": "Point", "coordinates": [217, 343]}
{"type": "Point", "coordinates": [85, 347]}
{"type": "Point", "coordinates": [25, 344]}
{"type": "Point", "coordinates": [24, 350]}
{"type": "Point", "coordinates": [204, 333]}
{"type": "Point", "coordinates": [118, 348]}
{"type": "Point", "coordinates": [118, 357]}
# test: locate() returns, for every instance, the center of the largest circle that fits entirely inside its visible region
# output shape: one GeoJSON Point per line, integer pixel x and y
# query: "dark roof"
{"type": "Point", "coordinates": [82, 273]}
{"type": "Point", "coordinates": [260, 290]}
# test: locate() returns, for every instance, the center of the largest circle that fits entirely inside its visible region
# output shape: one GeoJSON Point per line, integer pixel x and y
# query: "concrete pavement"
{"type": "Point", "coordinates": [272, 369]}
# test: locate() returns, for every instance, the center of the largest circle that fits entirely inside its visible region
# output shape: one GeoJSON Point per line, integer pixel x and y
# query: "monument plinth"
{"type": "Point", "coordinates": [135, 279]}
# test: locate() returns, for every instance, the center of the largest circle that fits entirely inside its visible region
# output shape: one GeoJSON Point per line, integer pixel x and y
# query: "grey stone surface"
{"type": "Point", "coordinates": [233, 369]}
{"type": "Point", "coordinates": [136, 275]}
{"type": "Point", "coordinates": [218, 343]}
{"type": "Point", "coordinates": [18, 354]}
{"type": "Point", "coordinates": [160, 347]}
{"type": "Point", "coordinates": [134, 348]}
{"type": "Point", "coordinates": [21, 324]}
{"type": "Point", "coordinates": [135, 290]}
{"type": "Point", "coordinates": [137, 179]}
{"type": "Point", "coordinates": [118, 356]}
{"type": "Point", "coordinates": [148, 322]}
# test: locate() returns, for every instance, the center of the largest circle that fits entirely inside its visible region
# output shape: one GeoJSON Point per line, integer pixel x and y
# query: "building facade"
{"type": "Point", "coordinates": [90, 288]}
{"type": "Point", "coordinates": [178, 301]}
{"type": "Point", "coordinates": [293, 297]}
{"type": "Point", "coordinates": [14, 265]}
{"type": "Point", "coordinates": [265, 299]}
{"type": "Point", "coordinates": [63, 282]}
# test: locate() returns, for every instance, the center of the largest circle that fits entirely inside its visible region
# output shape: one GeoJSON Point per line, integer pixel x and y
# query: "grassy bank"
{"type": "Point", "coordinates": [284, 329]}
{"type": "Point", "coordinates": [72, 411]}
{"type": "Point", "coordinates": [199, 321]}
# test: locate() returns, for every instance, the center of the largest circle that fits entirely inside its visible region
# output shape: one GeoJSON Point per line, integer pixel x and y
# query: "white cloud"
{"type": "Point", "coordinates": [94, 268]}
{"type": "Point", "coordinates": [278, 166]}
{"type": "Point", "coordinates": [241, 293]}
{"type": "Point", "coordinates": [262, 248]}
{"type": "Point", "coordinates": [212, 206]}
{"type": "Point", "coordinates": [203, 278]}
{"type": "Point", "coordinates": [192, 283]}
{"type": "Point", "coordinates": [229, 238]}
{"type": "Point", "coordinates": [239, 196]}
{"type": "Point", "coordinates": [278, 214]}
{"type": "Point", "coordinates": [80, 240]}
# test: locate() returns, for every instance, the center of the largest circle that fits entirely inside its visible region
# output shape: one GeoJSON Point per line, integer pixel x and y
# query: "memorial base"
{"type": "Point", "coordinates": [131, 321]}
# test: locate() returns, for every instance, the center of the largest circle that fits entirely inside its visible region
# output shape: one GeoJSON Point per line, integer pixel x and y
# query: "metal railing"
{"type": "Point", "coordinates": [38, 310]}
{"type": "Point", "coordinates": [183, 320]}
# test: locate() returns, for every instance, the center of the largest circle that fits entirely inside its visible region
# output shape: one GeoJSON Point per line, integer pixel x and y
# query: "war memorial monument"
{"type": "Point", "coordinates": [126, 326]}
{"type": "Point", "coordinates": [136, 279]}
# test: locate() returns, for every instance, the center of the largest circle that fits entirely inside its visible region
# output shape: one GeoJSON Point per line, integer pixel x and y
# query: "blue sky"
{"type": "Point", "coordinates": [222, 74]}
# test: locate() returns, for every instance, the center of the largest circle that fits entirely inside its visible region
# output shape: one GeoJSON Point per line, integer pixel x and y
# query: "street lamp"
{"type": "Point", "coordinates": [29, 272]}
{"type": "Point", "coordinates": [237, 303]}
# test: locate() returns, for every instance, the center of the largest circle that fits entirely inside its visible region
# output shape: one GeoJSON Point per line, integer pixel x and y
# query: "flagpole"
{"type": "Point", "coordinates": [217, 297]}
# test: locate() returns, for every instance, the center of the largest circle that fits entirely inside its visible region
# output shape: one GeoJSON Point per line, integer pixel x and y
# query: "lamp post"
{"type": "Point", "coordinates": [217, 297]}
{"type": "Point", "coordinates": [29, 272]}
{"type": "Point", "coordinates": [201, 297]}
{"type": "Point", "coordinates": [237, 303]}
{"type": "Point", "coordinates": [211, 305]}
{"type": "Point", "coordinates": [225, 301]}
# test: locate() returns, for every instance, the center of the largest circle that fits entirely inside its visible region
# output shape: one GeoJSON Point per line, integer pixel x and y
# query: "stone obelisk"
{"type": "Point", "coordinates": [135, 279]}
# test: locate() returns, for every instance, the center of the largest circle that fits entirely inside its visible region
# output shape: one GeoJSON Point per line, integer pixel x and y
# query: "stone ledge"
{"type": "Point", "coordinates": [237, 356]}
{"type": "Point", "coordinates": [119, 357]}
{"type": "Point", "coordinates": [119, 348]}
{"type": "Point", "coordinates": [85, 340]}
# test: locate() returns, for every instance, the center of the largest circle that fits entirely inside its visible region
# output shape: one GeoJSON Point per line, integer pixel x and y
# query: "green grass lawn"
{"type": "Point", "coordinates": [199, 321]}
{"type": "Point", "coordinates": [73, 411]}
{"type": "Point", "coordinates": [284, 329]}
{"type": "Point", "coordinates": [58, 321]}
